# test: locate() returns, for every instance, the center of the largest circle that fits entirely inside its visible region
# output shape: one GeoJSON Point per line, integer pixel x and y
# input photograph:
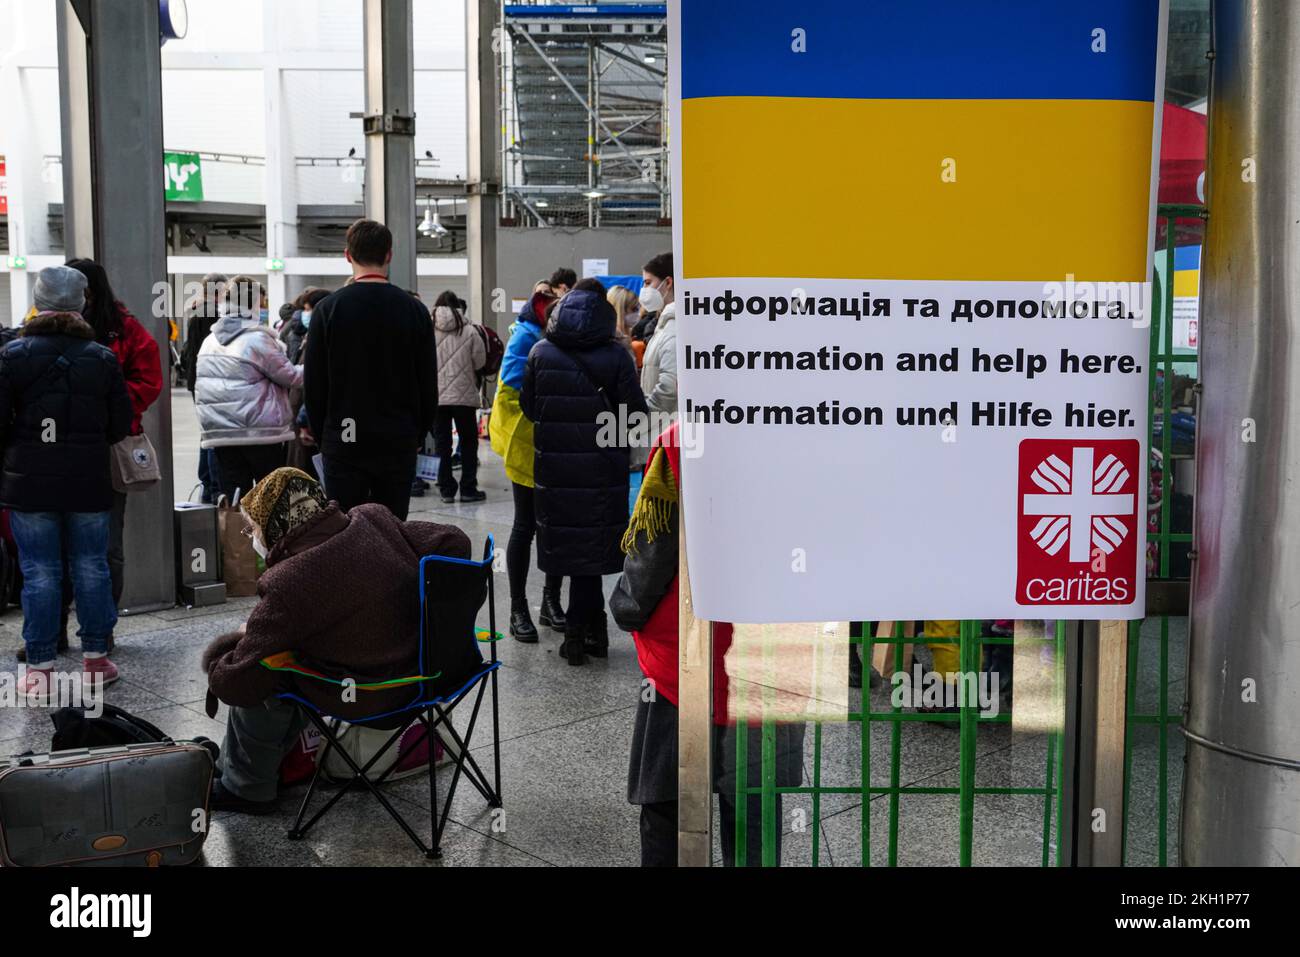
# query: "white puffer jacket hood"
{"type": "Point", "coordinates": [243, 378]}
{"type": "Point", "coordinates": [659, 375]}
{"type": "Point", "coordinates": [461, 354]}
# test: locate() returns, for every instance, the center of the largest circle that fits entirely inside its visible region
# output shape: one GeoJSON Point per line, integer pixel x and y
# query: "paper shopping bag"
{"type": "Point", "coordinates": [239, 565]}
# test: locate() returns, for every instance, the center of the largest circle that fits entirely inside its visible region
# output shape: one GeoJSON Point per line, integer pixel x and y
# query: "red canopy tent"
{"type": "Point", "coordinates": [1182, 154]}
{"type": "Point", "coordinates": [1183, 141]}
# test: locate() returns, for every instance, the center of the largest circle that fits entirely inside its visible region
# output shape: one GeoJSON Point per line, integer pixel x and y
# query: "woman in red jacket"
{"type": "Point", "coordinates": [645, 603]}
{"type": "Point", "coordinates": [137, 352]}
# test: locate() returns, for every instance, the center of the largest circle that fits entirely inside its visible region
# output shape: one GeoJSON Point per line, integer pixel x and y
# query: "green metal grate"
{"type": "Point", "coordinates": [971, 643]}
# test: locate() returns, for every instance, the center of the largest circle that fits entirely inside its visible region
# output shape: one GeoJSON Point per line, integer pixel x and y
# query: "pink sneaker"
{"type": "Point", "coordinates": [36, 686]}
{"type": "Point", "coordinates": [98, 672]}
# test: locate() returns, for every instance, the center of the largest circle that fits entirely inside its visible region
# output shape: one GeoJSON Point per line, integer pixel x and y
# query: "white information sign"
{"type": "Point", "coordinates": [913, 327]}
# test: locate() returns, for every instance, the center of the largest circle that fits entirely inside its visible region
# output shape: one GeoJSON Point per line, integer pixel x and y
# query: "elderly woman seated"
{"type": "Point", "coordinates": [340, 594]}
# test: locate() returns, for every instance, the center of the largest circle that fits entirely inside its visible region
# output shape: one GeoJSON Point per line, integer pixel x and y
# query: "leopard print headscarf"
{"type": "Point", "coordinates": [281, 502]}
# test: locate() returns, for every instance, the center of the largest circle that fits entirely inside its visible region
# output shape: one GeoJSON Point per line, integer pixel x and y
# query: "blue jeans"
{"type": "Point", "coordinates": [209, 475]}
{"type": "Point", "coordinates": [42, 539]}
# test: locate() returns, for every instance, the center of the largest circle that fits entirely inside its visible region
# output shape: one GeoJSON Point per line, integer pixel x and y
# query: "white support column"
{"type": "Point", "coordinates": [483, 213]}
{"type": "Point", "coordinates": [390, 129]}
{"type": "Point", "coordinates": [26, 189]}
{"type": "Point", "coordinates": [280, 177]}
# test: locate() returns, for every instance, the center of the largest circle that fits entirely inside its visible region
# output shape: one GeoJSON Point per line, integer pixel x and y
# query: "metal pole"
{"type": "Point", "coordinates": [483, 36]}
{"type": "Point", "coordinates": [665, 165]}
{"type": "Point", "coordinates": [594, 93]}
{"type": "Point", "coordinates": [591, 132]}
{"type": "Point", "coordinates": [503, 50]}
{"type": "Point", "coordinates": [390, 128]}
{"type": "Point", "coordinates": [1241, 796]}
{"type": "Point", "coordinates": [110, 68]}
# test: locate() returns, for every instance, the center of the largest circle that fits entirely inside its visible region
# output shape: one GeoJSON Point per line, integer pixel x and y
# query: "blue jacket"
{"type": "Point", "coordinates": [510, 431]}
{"type": "Point", "coordinates": [525, 333]}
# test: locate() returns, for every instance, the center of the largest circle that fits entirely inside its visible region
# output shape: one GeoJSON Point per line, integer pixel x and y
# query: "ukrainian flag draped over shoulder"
{"type": "Point", "coordinates": [512, 435]}
{"type": "Point", "coordinates": [509, 430]}
{"type": "Point", "coordinates": [858, 111]}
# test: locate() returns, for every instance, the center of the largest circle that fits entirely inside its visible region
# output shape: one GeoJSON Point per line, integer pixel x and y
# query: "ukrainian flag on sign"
{"type": "Point", "coordinates": [948, 140]}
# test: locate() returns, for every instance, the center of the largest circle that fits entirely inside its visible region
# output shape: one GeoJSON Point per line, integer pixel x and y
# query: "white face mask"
{"type": "Point", "coordinates": [652, 300]}
{"type": "Point", "coordinates": [259, 547]}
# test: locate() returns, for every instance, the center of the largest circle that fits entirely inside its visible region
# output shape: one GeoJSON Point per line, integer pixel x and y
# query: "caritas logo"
{"type": "Point", "coordinates": [1076, 543]}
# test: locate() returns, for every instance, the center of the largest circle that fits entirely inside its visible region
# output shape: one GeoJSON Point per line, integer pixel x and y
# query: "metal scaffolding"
{"type": "Point", "coordinates": [585, 115]}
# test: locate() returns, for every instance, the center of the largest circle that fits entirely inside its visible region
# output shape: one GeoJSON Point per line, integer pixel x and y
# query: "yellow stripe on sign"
{"type": "Point", "coordinates": [824, 188]}
{"type": "Point", "coordinates": [1187, 283]}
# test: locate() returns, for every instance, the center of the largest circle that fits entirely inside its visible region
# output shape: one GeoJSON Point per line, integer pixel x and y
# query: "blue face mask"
{"type": "Point", "coordinates": [306, 318]}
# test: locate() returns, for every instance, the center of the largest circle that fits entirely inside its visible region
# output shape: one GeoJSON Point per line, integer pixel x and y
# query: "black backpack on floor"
{"type": "Point", "coordinates": [73, 729]}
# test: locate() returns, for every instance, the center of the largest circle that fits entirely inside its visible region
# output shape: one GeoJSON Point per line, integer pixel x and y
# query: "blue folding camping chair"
{"type": "Point", "coordinates": [451, 668]}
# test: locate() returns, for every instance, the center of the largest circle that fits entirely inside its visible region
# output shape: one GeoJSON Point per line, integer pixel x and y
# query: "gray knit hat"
{"type": "Point", "coordinates": [60, 289]}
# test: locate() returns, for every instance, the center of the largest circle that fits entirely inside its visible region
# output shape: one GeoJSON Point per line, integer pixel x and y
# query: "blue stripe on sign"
{"type": "Point", "coordinates": [1187, 257]}
{"type": "Point", "coordinates": [921, 49]}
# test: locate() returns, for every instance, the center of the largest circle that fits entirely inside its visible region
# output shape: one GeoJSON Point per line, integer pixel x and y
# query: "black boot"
{"type": "Point", "coordinates": [521, 625]}
{"type": "Point", "coordinates": [596, 640]}
{"type": "Point", "coordinates": [573, 648]}
{"type": "Point", "coordinates": [551, 614]}
{"type": "Point", "coordinates": [855, 667]}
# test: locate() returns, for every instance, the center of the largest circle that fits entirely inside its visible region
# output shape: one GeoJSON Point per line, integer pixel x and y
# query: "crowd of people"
{"type": "Point", "coordinates": [311, 428]}
{"type": "Point", "coordinates": [575, 351]}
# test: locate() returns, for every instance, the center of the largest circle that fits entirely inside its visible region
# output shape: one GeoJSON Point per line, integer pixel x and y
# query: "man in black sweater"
{"type": "Point", "coordinates": [371, 379]}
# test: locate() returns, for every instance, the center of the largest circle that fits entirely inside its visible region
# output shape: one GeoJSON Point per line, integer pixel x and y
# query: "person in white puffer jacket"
{"type": "Point", "coordinates": [241, 394]}
{"type": "Point", "coordinates": [462, 354]}
{"type": "Point", "coordinates": [659, 367]}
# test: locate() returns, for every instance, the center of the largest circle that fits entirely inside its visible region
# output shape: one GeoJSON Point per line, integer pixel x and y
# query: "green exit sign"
{"type": "Point", "coordinates": [17, 262]}
{"type": "Point", "coordinates": [183, 177]}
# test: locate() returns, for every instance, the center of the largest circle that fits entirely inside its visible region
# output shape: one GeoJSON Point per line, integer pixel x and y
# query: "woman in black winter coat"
{"type": "Point", "coordinates": [63, 403]}
{"type": "Point", "coordinates": [576, 381]}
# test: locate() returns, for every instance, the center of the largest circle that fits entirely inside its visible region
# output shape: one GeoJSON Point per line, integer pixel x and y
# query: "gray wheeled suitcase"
{"type": "Point", "coordinates": [134, 805]}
